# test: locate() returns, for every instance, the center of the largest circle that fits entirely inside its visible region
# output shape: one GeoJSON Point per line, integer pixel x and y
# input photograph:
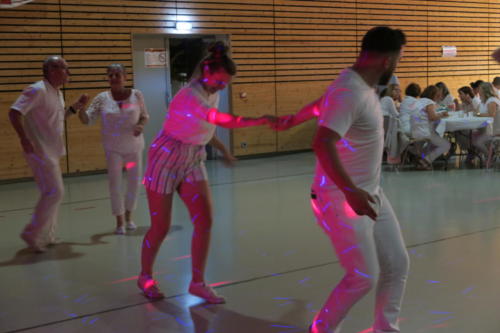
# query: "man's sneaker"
{"type": "Point", "coordinates": [207, 293]}
{"type": "Point", "coordinates": [120, 230]}
{"type": "Point", "coordinates": [131, 225]}
{"type": "Point", "coordinates": [32, 244]}
{"type": "Point", "coordinates": [149, 287]}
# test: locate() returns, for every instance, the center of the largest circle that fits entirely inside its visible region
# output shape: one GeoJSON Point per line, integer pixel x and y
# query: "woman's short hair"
{"type": "Point", "coordinates": [389, 90]}
{"type": "Point", "coordinates": [466, 91]}
{"type": "Point", "coordinates": [117, 67]}
{"type": "Point", "coordinates": [475, 85]}
{"type": "Point", "coordinates": [413, 90]}
{"type": "Point", "coordinates": [430, 92]}
{"type": "Point", "coordinates": [442, 86]}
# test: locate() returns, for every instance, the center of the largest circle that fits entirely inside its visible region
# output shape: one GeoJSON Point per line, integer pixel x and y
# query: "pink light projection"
{"type": "Point", "coordinates": [130, 165]}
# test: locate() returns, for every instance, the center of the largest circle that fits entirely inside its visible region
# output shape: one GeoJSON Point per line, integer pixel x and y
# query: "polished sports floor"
{"type": "Point", "coordinates": [268, 257]}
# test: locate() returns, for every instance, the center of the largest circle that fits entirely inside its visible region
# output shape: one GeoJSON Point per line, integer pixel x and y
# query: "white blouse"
{"type": "Point", "coordinates": [118, 119]}
{"type": "Point", "coordinates": [388, 107]}
{"type": "Point", "coordinates": [420, 124]}
{"type": "Point", "coordinates": [188, 115]}
{"type": "Point", "coordinates": [496, 120]}
{"type": "Point", "coordinates": [407, 109]}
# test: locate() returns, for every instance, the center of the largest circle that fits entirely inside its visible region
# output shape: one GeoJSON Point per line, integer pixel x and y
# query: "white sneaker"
{"type": "Point", "coordinates": [131, 225]}
{"type": "Point", "coordinates": [207, 293]}
{"type": "Point", "coordinates": [120, 230]}
{"type": "Point", "coordinates": [32, 244]}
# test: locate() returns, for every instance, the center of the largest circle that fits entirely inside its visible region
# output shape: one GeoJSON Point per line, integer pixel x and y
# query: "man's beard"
{"type": "Point", "coordinates": [385, 78]}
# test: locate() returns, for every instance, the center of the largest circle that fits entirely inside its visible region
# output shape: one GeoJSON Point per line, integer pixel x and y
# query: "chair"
{"type": "Point", "coordinates": [417, 146]}
{"type": "Point", "coordinates": [493, 151]}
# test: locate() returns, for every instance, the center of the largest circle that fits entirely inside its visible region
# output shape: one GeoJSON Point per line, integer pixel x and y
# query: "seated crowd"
{"type": "Point", "coordinates": [410, 122]}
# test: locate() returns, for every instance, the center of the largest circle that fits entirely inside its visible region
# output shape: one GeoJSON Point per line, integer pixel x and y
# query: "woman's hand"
{"type": "Point", "coordinates": [228, 159]}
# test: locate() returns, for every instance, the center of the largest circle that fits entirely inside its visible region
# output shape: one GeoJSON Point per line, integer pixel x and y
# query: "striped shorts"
{"type": "Point", "coordinates": [171, 162]}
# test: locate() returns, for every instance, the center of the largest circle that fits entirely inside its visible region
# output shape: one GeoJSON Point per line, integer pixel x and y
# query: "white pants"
{"type": "Point", "coordinates": [438, 146]}
{"type": "Point", "coordinates": [133, 164]}
{"type": "Point", "coordinates": [48, 177]}
{"type": "Point", "coordinates": [480, 140]}
{"type": "Point", "coordinates": [371, 253]}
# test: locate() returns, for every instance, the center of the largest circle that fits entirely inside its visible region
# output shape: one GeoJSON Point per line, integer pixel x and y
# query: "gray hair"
{"type": "Point", "coordinates": [116, 66]}
{"type": "Point", "coordinates": [49, 62]}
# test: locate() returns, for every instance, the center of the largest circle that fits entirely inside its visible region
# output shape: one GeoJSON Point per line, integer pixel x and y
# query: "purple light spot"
{"type": "Point", "coordinates": [432, 281]}
{"type": "Point", "coordinates": [440, 312]}
{"type": "Point", "coordinates": [326, 206]}
{"type": "Point", "coordinates": [349, 249]}
{"type": "Point", "coordinates": [147, 244]}
{"type": "Point", "coordinates": [347, 145]}
{"type": "Point", "coordinates": [323, 181]}
{"type": "Point", "coordinates": [93, 321]}
{"type": "Point", "coordinates": [326, 226]}
{"type": "Point", "coordinates": [165, 149]}
{"type": "Point", "coordinates": [442, 320]}
{"type": "Point", "coordinates": [345, 225]}
{"type": "Point", "coordinates": [468, 290]}
{"type": "Point", "coordinates": [362, 274]}
{"type": "Point", "coordinates": [196, 196]}
{"type": "Point", "coordinates": [180, 321]}
{"type": "Point", "coordinates": [282, 298]}
{"type": "Point", "coordinates": [304, 280]}
{"type": "Point", "coordinates": [282, 326]}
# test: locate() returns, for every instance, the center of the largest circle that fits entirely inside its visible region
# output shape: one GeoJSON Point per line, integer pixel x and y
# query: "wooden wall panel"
{"type": "Point", "coordinates": [287, 52]}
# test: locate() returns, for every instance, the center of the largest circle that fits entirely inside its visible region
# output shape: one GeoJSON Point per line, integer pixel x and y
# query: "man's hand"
{"type": "Point", "coordinates": [360, 200]}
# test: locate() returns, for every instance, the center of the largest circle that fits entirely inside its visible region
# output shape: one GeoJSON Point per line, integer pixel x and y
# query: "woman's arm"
{"type": "Point", "coordinates": [228, 158]}
{"type": "Point", "coordinates": [143, 116]}
{"type": "Point", "coordinates": [432, 114]}
{"type": "Point", "coordinates": [227, 120]}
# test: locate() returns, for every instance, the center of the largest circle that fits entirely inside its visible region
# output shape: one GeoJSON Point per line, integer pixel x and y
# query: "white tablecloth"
{"type": "Point", "coordinates": [454, 123]}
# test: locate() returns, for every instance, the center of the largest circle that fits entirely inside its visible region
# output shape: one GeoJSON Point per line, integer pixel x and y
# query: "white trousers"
{"type": "Point", "coordinates": [373, 254]}
{"type": "Point", "coordinates": [480, 140]}
{"type": "Point", "coordinates": [48, 177]}
{"type": "Point", "coordinates": [438, 146]}
{"type": "Point", "coordinates": [133, 164]}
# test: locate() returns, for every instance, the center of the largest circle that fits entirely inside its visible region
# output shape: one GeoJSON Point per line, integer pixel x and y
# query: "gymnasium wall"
{"type": "Point", "coordinates": [287, 53]}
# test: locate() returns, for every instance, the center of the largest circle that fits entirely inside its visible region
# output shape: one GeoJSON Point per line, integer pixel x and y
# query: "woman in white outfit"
{"type": "Point", "coordinates": [176, 164]}
{"type": "Point", "coordinates": [490, 107]}
{"type": "Point", "coordinates": [409, 107]}
{"type": "Point", "coordinates": [422, 126]}
{"type": "Point", "coordinates": [446, 100]}
{"type": "Point", "coordinates": [123, 116]}
{"type": "Point", "coordinates": [388, 100]}
{"type": "Point", "coordinates": [476, 101]}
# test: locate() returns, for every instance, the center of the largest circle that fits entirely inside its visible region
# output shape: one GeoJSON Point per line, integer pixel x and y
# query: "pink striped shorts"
{"type": "Point", "coordinates": [171, 162]}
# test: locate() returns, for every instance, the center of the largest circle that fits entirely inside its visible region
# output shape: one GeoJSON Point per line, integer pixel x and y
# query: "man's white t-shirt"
{"type": "Point", "coordinates": [188, 115]}
{"type": "Point", "coordinates": [352, 109]}
{"type": "Point", "coordinates": [43, 108]}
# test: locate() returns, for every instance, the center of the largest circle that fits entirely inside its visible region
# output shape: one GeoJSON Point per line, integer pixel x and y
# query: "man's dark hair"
{"type": "Point", "coordinates": [383, 40]}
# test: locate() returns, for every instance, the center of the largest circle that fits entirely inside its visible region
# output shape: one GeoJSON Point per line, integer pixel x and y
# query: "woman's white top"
{"type": "Point", "coordinates": [448, 100]}
{"type": "Point", "coordinates": [420, 124]}
{"type": "Point", "coordinates": [496, 120]}
{"type": "Point", "coordinates": [406, 110]}
{"type": "Point", "coordinates": [188, 115]}
{"type": "Point", "coordinates": [476, 102]}
{"type": "Point", "coordinates": [118, 119]}
{"type": "Point", "coordinates": [388, 107]}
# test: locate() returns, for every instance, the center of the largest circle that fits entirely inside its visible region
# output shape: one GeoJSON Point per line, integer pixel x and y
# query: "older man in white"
{"type": "Point", "coordinates": [38, 117]}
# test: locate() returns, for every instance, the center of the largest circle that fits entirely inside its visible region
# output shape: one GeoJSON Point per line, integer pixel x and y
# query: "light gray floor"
{"type": "Point", "coordinates": [269, 258]}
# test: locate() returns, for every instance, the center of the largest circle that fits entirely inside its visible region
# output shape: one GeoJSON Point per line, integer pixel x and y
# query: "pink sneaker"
{"type": "Point", "coordinates": [149, 287]}
{"type": "Point", "coordinates": [201, 290]}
